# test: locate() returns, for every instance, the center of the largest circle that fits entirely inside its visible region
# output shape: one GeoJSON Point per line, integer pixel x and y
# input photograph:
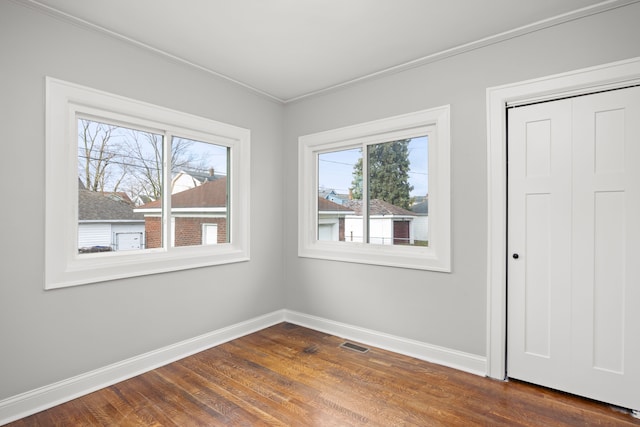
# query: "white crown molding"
{"type": "Point", "coordinates": [477, 44]}
{"type": "Point", "coordinates": [86, 24]}
{"type": "Point", "coordinates": [437, 56]}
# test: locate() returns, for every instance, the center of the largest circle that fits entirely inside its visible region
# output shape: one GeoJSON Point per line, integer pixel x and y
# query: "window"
{"type": "Point", "coordinates": [133, 188]}
{"type": "Point", "coordinates": [378, 192]}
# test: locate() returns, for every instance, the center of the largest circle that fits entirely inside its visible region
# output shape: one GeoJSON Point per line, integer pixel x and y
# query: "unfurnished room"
{"type": "Point", "coordinates": [320, 213]}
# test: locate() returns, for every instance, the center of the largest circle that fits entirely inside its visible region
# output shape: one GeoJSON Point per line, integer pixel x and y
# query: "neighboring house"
{"type": "Point", "coordinates": [421, 221]}
{"type": "Point", "coordinates": [107, 222]}
{"type": "Point", "coordinates": [331, 220]}
{"type": "Point", "coordinates": [198, 216]}
{"type": "Point", "coordinates": [187, 179]}
{"type": "Point", "coordinates": [332, 196]}
{"type": "Point", "coordinates": [388, 224]}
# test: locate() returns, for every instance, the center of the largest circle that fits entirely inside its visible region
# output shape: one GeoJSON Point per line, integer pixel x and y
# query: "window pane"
{"type": "Point", "coordinates": [338, 183]}
{"type": "Point", "coordinates": [397, 196]}
{"type": "Point", "coordinates": [119, 169]}
{"type": "Point", "coordinates": [199, 193]}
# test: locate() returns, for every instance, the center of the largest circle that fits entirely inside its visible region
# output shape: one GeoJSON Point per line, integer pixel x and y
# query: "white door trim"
{"type": "Point", "coordinates": [602, 77]}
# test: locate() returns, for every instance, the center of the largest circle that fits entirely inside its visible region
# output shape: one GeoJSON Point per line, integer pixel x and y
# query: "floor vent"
{"type": "Point", "coordinates": [354, 347]}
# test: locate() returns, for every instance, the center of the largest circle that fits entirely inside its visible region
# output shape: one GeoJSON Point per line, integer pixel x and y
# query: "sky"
{"type": "Point", "coordinates": [336, 168]}
{"type": "Point", "coordinates": [208, 155]}
{"type": "Point", "coordinates": [132, 151]}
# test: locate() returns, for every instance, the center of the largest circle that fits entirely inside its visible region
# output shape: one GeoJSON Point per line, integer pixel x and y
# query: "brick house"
{"type": "Point", "coordinates": [198, 216]}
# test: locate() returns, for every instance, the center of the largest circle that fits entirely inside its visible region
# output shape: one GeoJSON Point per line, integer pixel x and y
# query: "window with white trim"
{"type": "Point", "coordinates": [378, 192]}
{"type": "Point", "coordinates": [134, 189]}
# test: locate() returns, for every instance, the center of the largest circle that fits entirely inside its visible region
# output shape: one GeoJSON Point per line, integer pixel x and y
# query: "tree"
{"type": "Point", "coordinates": [96, 154]}
{"type": "Point", "coordinates": [388, 173]}
{"type": "Point", "coordinates": [113, 158]}
{"type": "Point", "coordinates": [356, 189]}
{"type": "Point", "coordinates": [144, 151]}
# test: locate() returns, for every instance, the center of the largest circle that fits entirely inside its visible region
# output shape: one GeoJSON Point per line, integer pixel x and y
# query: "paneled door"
{"type": "Point", "coordinates": [574, 245]}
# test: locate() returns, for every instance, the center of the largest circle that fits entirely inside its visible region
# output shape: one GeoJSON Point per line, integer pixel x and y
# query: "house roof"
{"type": "Point", "coordinates": [378, 207]}
{"type": "Point", "coordinates": [96, 206]}
{"type": "Point", "coordinates": [200, 174]}
{"type": "Point", "coordinates": [211, 194]}
{"type": "Point", "coordinates": [421, 208]}
{"type": "Point", "coordinates": [328, 205]}
{"type": "Point", "coordinates": [324, 192]}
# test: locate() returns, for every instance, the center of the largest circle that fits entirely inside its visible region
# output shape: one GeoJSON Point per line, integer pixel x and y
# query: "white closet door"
{"type": "Point", "coordinates": [574, 239]}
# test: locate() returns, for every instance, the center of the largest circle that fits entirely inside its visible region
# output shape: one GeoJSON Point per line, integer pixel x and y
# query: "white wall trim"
{"type": "Point", "coordinates": [584, 12]}
{"type": "Point", "coordinates": [40, 399]}
{"type": "Point", "coordinates": [597, 8]}
{"type": "Point", "coordinates": [602, 77]}
{"type": "Point", "coordinates": [435, 124]}
{"type": "Point", "coordinates": [33, 401]}
{"type": "Point", "coordinates": [431, 353]}
{"type": "Point", "coordinates": [65, 102]}
{"type": "Point", "coordinates": [52, 11]}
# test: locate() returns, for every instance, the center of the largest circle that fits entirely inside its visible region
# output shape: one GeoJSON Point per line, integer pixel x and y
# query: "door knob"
{"type": "Point", "coordinates": [516, 256]}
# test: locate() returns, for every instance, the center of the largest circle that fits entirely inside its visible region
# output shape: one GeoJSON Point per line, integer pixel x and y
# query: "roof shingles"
{"type": "Point", "coordinates": [210, 194]}
{"type": "Point", "coordinates": [378, 207]}
{"type": "Point", "coordinates": [328, 205]}
{"type": "Point", "coordinates": [97, 206]}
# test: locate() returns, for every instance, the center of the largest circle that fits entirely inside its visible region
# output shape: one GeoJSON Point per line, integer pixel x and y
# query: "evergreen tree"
{"type": "Point", "coordinates": [388, 177]}
{"type": "Point", "coordinates": [356, 184]}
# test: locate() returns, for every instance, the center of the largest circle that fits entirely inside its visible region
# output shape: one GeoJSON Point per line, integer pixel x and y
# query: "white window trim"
{"type": "Point", "coordinates": [437, 256]}
{"type": "Point", "coordinates": [63, 266]}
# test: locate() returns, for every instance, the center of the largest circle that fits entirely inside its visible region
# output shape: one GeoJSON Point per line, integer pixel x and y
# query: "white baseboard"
{"type": "Point", "coordinates": [431, 353]}
{"type": "Point", "coordinates": [37, 400]}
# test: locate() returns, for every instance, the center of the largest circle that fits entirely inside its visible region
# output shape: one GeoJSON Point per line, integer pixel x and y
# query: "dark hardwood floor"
{"type": "Point", "coordinates": [288, 375]}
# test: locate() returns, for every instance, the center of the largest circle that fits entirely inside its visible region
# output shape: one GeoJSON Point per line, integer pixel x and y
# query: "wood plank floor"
{"type": "Point", "coordinates": [288, 375]}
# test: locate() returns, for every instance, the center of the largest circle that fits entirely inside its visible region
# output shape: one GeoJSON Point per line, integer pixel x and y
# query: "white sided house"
{"type": "Point", "coordinates": [106, 222]}
{"type": "Point", "coordinates": [388, 224]}
{"type": "Point", "coordinates": [188, 179]}
{"type": "Point", "coordinates": [421, 221]}
{"type": "Point", "coordinates": [331, 220]}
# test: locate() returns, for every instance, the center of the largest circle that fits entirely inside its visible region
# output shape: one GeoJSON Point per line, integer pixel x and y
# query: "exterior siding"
{"type": "Point", "coordinates": [90, 235]}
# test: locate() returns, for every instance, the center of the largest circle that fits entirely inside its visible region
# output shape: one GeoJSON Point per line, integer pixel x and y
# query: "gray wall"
{"type": "Point", "coordinates": [437, 308]}
{"type": "Point", "coordinates": [53, 335]}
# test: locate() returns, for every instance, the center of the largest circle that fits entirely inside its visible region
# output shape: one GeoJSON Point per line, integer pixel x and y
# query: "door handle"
{"type": "Point", "coordinates": [516, 256]}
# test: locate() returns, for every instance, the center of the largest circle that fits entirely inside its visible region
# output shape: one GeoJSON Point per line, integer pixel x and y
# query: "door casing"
{"type": "Point", "coordinates": [593, 79]}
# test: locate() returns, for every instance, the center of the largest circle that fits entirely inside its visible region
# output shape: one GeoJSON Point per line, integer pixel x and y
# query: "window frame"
{"type": "Point", "coordinates": [65, 102]}
{"type": "Point", "coordinates": [435, 123]}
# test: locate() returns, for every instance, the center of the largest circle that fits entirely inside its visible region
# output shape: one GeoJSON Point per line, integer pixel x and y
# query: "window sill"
{"type": "Point", "coordinates": [385, 255]}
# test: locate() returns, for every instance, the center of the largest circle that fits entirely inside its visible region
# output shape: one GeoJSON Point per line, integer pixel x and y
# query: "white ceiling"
{"type": "Point", "coordinates": [288, 49]}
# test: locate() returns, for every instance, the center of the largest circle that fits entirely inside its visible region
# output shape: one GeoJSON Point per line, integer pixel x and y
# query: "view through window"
{"type": "Point", "coordinates": [121, 199]}
{"type": "Point", "coordinates": [134, 188]}
{"type": "Point", "coordinates": [378, 192]}
{"type": "Point", "coordinates": [379, 198]}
